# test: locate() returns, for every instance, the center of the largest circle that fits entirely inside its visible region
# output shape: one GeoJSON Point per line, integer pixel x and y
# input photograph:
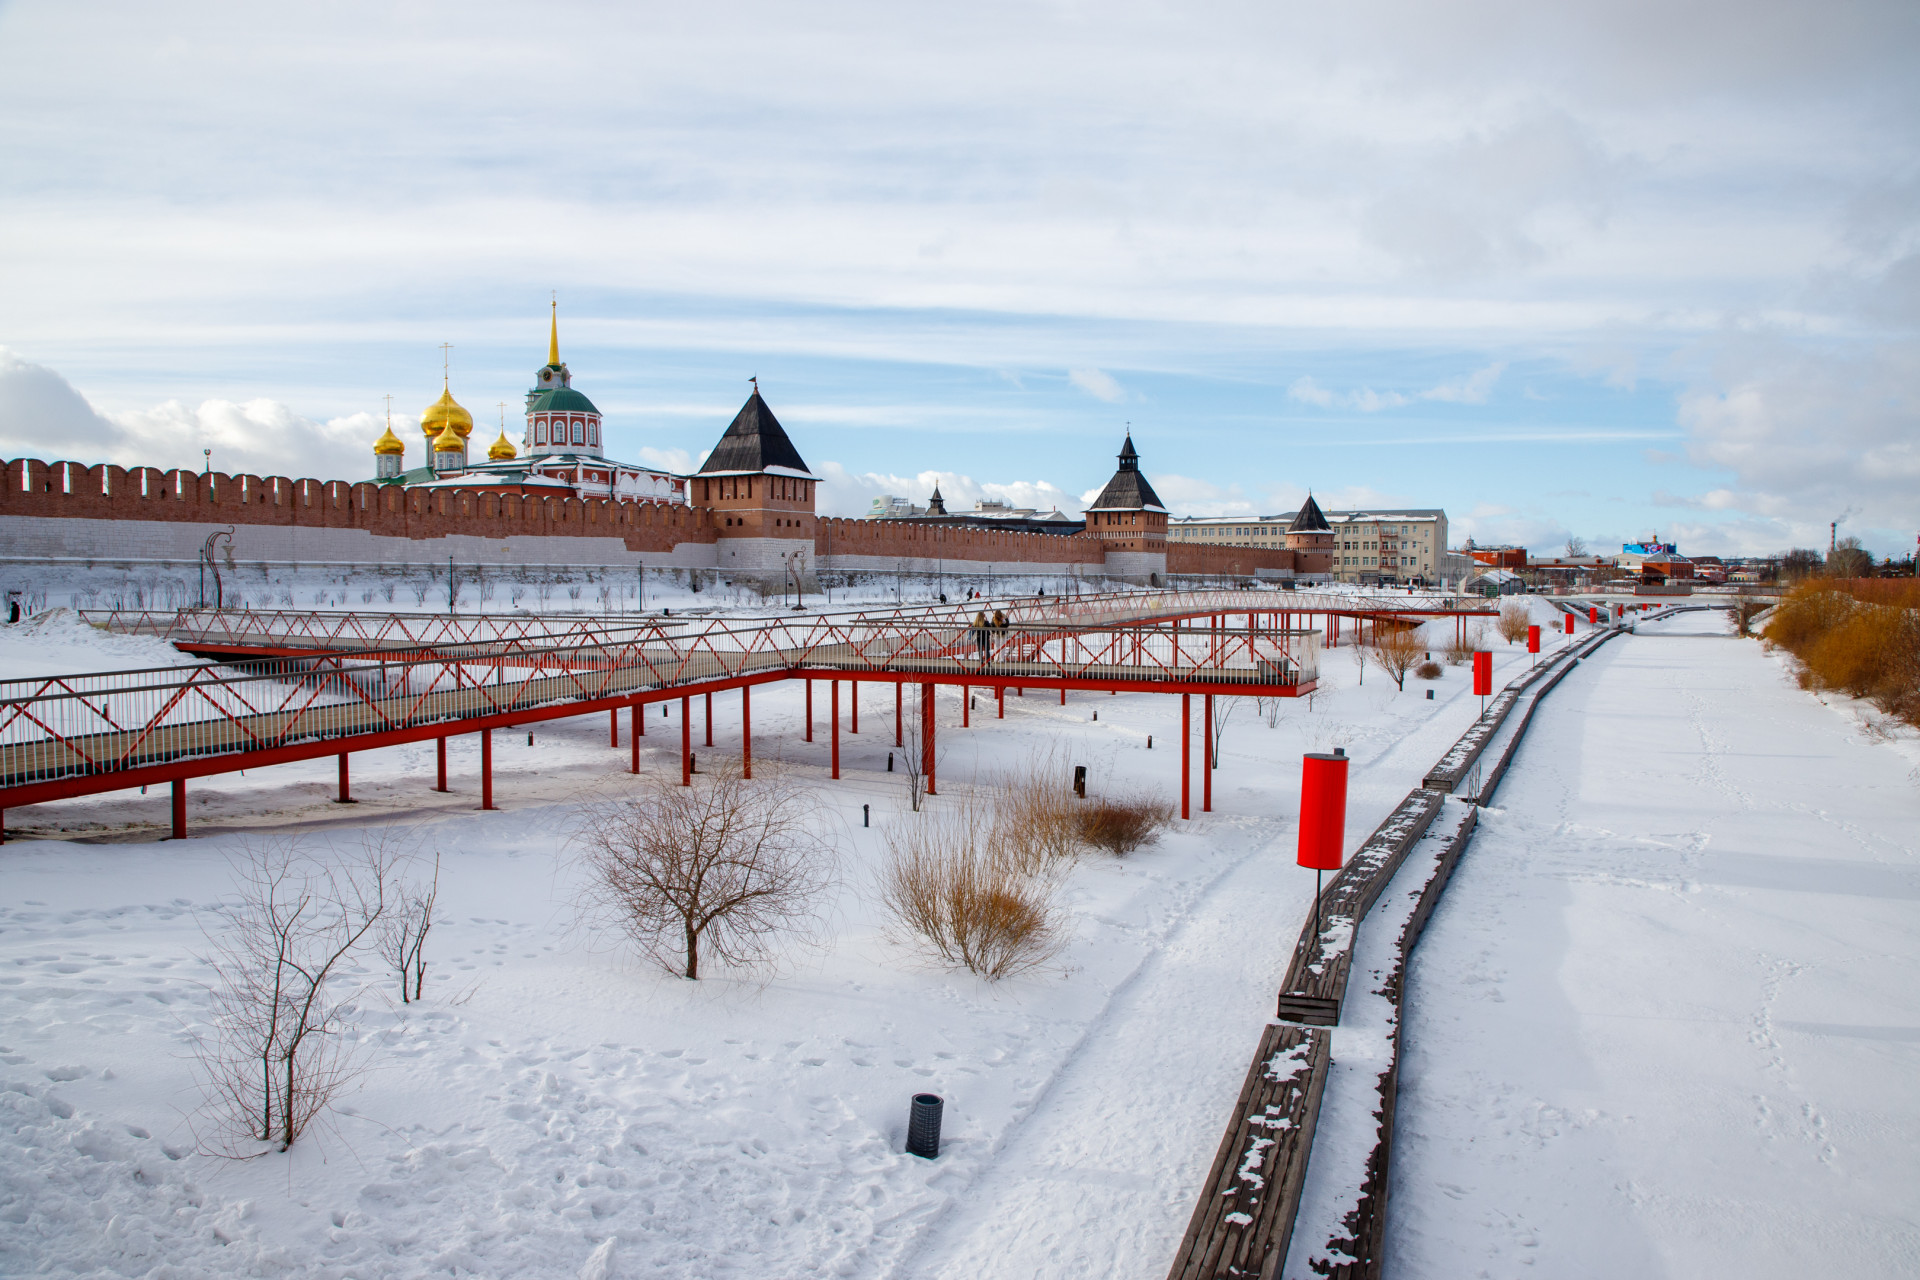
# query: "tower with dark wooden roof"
{"type": "Point", "coordinates": [1131, 521]}
{"type": "Point", "coordinates": [762, 497]}
{"type": "Point", "coordinates": [1310, 538]}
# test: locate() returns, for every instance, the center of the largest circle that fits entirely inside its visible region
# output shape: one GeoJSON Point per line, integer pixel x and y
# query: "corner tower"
{"type": "Point", "coordinates": [1131, 522]}
{"type": "Point", "coordinates": [1310, 538]}
{"type": "Point", "coordinates": [761, 495]}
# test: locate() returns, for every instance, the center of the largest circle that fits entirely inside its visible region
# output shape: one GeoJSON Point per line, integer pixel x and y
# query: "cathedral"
{"type": "Point", "coordinates": [564, 454]}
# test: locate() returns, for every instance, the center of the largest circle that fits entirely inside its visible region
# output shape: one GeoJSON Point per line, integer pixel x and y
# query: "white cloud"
{"type": "Point", "coordinates": [1473, 388]}
{"type": "Point", "coordinates": [848, 493]}
{"type": "Point", "coordinates": [1100, 386]}
{"type": "Point", "coordinates": [43, 416]}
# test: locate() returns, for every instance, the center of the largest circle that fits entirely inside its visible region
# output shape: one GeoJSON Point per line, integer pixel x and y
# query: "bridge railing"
{"type": "Point", "coordinates": [110, 721]}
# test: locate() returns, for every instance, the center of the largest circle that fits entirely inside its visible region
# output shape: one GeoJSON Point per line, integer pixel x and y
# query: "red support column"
{"type": "Point", "coordinates": [709, 719]}
{"type": "Point", "coordinates": [1206, 754]}
{"type": "Point", "coordinates": [486, 768]}
{"type": "Point", "coordinates": [1186, 753]}
{"type": "Point", "coordinates": [346, 791]}
{"type": "Point", "coordinates": [834, 690]}
{"type": "Point", "coordinates": [899, 692]}
{"type": "Point", "coordinates": [1063, 695]}
{"type": "Point", "coordinates": [853, 704]}
{"type": "Point", "coordinates": [966, 706]}
{"type": "Point", "coordinates": [440, 761]}
{"type": "Point", "coordinates": [636, 717]}
{"type": "Point", "coordinates": [686, 741]}
{"type": "Point", "coordinates": [926, 735]}
{"type": "Point", "coordinates": [613, 727]}
{"type": "Point", "coordinates": [179, 808]}
{"type": "Point", "coordinates": [746, 731]}
{"type": "Point", "coordinates": [1000, 701]}
{"type": "Point", "coordinates": [809, 735]}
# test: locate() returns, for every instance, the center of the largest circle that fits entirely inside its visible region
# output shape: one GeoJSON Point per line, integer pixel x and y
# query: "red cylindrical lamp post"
{"type": "Point", "coordinates": [1323, 817]}
{"type": "Point", "coordinates": [1533, 640]}
{"type": "Point", "coordinates": [1593, 615]}
{"type": "Point", "coordinates": [1483, 678]}
{"type": "Point", "coordinates": [1569, 624]}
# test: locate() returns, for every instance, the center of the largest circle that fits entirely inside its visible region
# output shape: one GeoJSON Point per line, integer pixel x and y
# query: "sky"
{"type": "Point", "coordinates": [1602, 268]}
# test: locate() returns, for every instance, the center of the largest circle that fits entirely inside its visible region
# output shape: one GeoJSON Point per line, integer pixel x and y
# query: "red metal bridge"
{"type": "Point", "coordinates": [303, 685]}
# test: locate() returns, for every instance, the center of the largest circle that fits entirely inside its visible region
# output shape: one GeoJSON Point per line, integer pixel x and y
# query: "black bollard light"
{"type": "Point", "coordinates": [1096, 715]}
{"type": "Point", "coordinates": [923, 1126]}
{"type": "Point", "coordinates": [866, 815]}
{"type": "Point", "coordinates": [1149, 742]}
{"type": "Point", "coordinates": [529, 739]}
{"type": "Point", "coordinates": [1429, 695]}
{"type": "Point", "coordinates": [889, 762]}
{"type": "Point", "coordinates": [1080, 781]}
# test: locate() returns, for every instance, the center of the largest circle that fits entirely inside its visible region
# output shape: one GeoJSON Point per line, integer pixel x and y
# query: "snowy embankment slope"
{"type": "Point", "coordinates": [57, 643]}
{"type": "Point", "coordinates": [549, 1096]}
{"type": "Point", "coordinates": [1665, 1021]}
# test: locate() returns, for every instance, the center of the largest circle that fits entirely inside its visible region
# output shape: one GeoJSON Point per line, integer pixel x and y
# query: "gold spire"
{"type": "Point", "coordinates": [553, 337]}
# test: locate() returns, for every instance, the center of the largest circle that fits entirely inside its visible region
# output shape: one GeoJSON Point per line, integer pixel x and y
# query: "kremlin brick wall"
{"type": "Point", "coordinates": [60, 510]}
{"type": "Point", "coordinates": [65, 511]}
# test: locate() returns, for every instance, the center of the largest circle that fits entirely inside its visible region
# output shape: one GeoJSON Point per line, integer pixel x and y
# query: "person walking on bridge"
{"type": "Point", "coordinates": [982, 635]}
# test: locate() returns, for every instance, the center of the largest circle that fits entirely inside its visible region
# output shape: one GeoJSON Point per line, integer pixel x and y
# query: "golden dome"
{"type": "Point", "coordinates": [449, 441]}
{"type": "Point", "coordinates": [445, 412]}
{"type": "Point", "coordinates": [502, 450]}
{"type": "Point", "coordinates": [389, 442]}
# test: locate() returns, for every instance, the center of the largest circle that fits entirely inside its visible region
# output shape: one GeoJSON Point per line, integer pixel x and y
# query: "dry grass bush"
{"type": "Point", "coordinates": [1038, 802]}
{"type": "Point", "coordinates": [1460, 651]}
{"type": "Point", "coordinates": [1121, 826]}
{"type": "Point", "coordinates": [1428, 670]}
{"type": "Point", "coordinates": [724, 870]}
{"type": "Point", "coordinates": [969, 887]}
{"type": "Point", "coordinates": [1866, 649]}
{"type": "Point", "coordinates": [1513, 622]}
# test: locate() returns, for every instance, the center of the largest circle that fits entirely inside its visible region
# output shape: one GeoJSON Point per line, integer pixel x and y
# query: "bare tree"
{"type": "Point", "coordinates": [913, 754]}
{"type": "Point", "coordinates": [719, 870]}
{"type": "Point", "coordinates": [404, 928]}
{"type": "Point", "coordinates": [1397, 650]}
{"type": "Point", "coordinates": [277, 1057]}
{"type": "Point", "coordinates": [1222, 710]}
{"type": "Point", "coordinates": [1576, 546]}
{"type": "Point", "coordinates": [1359, 653]}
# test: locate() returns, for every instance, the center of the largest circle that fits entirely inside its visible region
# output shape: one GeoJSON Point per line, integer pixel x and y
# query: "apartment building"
{"type": "Point", "coordinates": [1369, 547]}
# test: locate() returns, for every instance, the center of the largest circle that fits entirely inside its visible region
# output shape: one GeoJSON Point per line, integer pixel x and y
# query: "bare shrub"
{"type": "Point", "coordinates": [1269, 709]}
{"type": "Point", "coordinates": [1513, 621]}
{"type": "Point", "coordinates": [967, 888]}
{"type": "Point", "coordinates": [1037, 801]}
{"type": "Point", "coordinates": [1429, 670]}
{"type": "Point", "coordinates": [1122, 825]}
{"type": "Point", "coordinates": [1743, 615]}
{"type": "Point", "coordinates": [1460, 650]}
{"type": "Point", "coordinates": [1862, 647]}
{"type": "Point", "coordinates": [721, 870]}
{"type": "Point", "coordinates": [1396, 648]}
{"type": "Point", "coordinates": [278, 1056]}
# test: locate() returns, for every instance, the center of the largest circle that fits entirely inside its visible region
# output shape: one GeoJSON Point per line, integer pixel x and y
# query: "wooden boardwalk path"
{"type": "Point", "coordinates": [1223, 1241]}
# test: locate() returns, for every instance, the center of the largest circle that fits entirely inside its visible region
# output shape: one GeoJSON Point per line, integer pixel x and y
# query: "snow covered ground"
{"type": "Point", "coordinates": [1665, 1020]}
{"type": "Point", "coordinates": [549, 1097]}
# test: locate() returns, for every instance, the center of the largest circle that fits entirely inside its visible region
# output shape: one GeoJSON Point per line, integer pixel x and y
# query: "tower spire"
{"type": "Point", "coordinates": [553, 335]}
